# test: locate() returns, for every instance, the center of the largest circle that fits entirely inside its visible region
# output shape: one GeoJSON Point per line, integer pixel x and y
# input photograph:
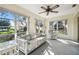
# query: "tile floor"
{"type": "Point", "coordinates": [57, 47]}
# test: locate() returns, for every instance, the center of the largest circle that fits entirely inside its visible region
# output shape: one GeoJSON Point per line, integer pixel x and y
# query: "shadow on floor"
{"type": "Point", "coordinates": [57, 47]}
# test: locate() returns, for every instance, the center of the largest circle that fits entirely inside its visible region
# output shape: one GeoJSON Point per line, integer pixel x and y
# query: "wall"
{"type": "Point", "coordinates": [16, 9]}
{"type": "Point", "coordinates": [72, 21]}
{"type": "Point", "coordinates": [72, 26]}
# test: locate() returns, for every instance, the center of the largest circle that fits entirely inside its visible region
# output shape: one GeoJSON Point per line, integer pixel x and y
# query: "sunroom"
{"type": "Point", "coordinates": [39, 29]}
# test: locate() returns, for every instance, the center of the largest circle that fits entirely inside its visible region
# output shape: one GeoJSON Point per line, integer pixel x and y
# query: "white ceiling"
{"type": "Point", "coordinates": [35, 8]}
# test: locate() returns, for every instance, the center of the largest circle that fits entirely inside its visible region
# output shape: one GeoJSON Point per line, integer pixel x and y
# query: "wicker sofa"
{"type": "Point", "coordinates": [30, 42]}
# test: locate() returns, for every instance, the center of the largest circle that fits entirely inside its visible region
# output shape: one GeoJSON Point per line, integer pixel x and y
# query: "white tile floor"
{"type": "Point", "coordinates": [57, 47]}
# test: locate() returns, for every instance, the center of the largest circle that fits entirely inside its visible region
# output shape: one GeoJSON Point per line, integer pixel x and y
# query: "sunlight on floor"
{"type": "Point", "coordinates": [49, 48]}
{"type": "Point", "coordinates": [67, 41]}
{"type": "Point", "coordinates": [72, 42]}
{"type": "Point", "coordinates": [48, 51]}
{"type": "Point", "coordinates": [63, 41]}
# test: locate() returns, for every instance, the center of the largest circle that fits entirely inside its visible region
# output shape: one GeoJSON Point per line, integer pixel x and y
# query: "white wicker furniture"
{"type": "Point", "coordinates": [8, 48]}
{"type": "Point", "coordinates": [30, 43]}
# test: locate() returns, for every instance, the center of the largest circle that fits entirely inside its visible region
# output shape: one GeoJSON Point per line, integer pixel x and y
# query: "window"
{"type": "Point", "coordinates": [60, 26]}
{"type": "Point", "coordinates": [6, 26]}
{"type": "Point", "coordinates": [22, 23]}
{"type": "Point", "coordinates": [10, 23]}
{"type": "Point", "coordinates": [39, 26]}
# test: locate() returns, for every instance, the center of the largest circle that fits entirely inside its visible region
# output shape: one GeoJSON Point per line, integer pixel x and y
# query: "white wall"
{"type": "Point", "coordinates": [72, 26]}
{"type": "Point", "coordinates": [72, 21]}
{"type": "Point", "coordinates": [19, 10]}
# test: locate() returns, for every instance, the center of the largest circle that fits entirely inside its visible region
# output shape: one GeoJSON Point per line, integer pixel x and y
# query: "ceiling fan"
{"type": "Point", "coordinates": [49, 9]}
{"type": "Point", "coordinates": [74, 5]}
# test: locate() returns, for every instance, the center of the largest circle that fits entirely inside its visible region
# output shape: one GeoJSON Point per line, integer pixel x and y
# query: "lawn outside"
{"type": "Point", "coordinates": [6, 37]}
{"type": "Point", "coordinates": [11, 31]}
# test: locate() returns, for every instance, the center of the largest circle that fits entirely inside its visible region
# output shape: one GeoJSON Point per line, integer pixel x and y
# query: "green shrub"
{"type": "Point", "coordinates": [6, 38]}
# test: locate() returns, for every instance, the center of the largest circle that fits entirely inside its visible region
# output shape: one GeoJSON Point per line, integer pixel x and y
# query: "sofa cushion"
{"type": "Point", "coordinates": [28, 37]}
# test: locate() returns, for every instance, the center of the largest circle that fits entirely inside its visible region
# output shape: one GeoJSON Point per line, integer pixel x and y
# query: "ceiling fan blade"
{"type": "Point", "coordinates": [55, 7]}
{"type": "Point", "coordinates": [43, 7]}
{"type": "Point", "coordinates": [47, 13]}
{"type": "Point", "coordinates": [42, 12]}
{"type": "Point", "coordinates": [54, 11]}
{"type": "Point", "coordinates": [73, 5]}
